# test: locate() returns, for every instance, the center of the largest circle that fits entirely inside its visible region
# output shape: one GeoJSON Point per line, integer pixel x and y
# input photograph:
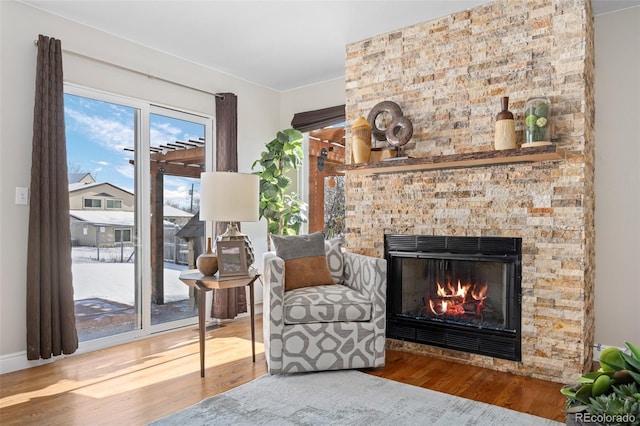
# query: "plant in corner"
{"type": "Point", "coordinates": [610, 395]}
{"type": "Point", "coordinates": [284, 212]}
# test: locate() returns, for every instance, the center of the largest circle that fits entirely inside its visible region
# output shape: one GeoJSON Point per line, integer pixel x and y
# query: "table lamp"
{"type": "Point", "coordinates": [230, 197]}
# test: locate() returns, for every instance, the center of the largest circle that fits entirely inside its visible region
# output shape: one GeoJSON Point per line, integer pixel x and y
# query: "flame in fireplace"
{"type": "Point", "coordinates": [460, 291]}
{"type": "Point", "coordinates": [463, 299]}
{"type": "Point", "coordinates": [438, 307]}
{"type": "Point", "coordinates": [479, 292]}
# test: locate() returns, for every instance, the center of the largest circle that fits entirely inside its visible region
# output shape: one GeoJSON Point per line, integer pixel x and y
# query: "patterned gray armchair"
{"type": "Point", "coordinates": [326, 327]}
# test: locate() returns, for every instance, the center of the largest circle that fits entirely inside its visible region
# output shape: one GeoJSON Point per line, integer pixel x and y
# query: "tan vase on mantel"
{"type": "Point", "coordinates": [361, 140]}
{"type": "Point", "coordinates": [505, 136]}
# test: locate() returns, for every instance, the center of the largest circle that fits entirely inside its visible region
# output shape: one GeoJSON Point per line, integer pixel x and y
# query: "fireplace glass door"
{"type": "Point", "coordinates": [455, 290]}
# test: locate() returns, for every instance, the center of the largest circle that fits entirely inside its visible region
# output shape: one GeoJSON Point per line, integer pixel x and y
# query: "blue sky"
{"type": "Point", "coordinates": [98, 133]}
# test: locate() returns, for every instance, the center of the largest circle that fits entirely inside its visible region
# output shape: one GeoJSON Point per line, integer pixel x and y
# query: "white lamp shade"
{"type": "Point", "coordinates": [229, 196]}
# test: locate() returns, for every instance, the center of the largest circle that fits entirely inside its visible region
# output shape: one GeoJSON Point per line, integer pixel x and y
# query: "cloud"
{"type": "Point", "coordinates": [102, 163]}
{"type": "Point", "coordinates": [113, 126]}
{"type": "Point", "coordinates": [126, 170]}
{"type": "Point", "coordinates": [176, 181]}
{"type": "Point", "coordinates": [164, 133]}
{"type": "Point", "coordinates": [106, 131]}
{"type": "Point", "coordinates": [178, 197]}
{"type": "Point", "coordinates": [176, 190]}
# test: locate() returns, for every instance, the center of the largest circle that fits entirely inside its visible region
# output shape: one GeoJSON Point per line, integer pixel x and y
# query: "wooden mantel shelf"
{"type": "Point", "coordinates": [473, 159]}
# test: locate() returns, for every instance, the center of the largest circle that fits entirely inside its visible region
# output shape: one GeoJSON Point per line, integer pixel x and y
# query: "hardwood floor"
{"type": "Point", "coordinates": [142, 381]}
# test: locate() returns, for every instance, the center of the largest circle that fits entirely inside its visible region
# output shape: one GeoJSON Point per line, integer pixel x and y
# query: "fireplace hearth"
{"type": "Point", "coordinates": [461, 293]}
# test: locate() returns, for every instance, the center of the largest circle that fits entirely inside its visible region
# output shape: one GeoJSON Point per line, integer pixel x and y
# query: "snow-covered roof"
{"type": "Point", "coordinates": [77, 177]}
{"type": "Point", "coordinates": [119, 218]}
{"type": "Point", "coordinates": [170, 211]}
{"type": "Point", "coordinates": [104, 217]}
{"type": "Point", "coordinates": [80, 185]}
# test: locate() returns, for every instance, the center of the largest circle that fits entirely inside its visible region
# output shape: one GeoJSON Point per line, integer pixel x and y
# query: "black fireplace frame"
{"type": "Point", "coordinates": [504, 343]}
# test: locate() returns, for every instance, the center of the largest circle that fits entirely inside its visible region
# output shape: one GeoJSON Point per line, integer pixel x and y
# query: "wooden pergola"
{"type": "Point", "coordinates": [327, 146]}
{"type": "Point", "coordinates": [185, 159]}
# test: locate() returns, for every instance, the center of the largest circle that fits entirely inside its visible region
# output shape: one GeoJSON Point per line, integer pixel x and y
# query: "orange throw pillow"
{"type": "Point", "coordinates": [305, 261]}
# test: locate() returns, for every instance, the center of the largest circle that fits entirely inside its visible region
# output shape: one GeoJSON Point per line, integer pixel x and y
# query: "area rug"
{"type": "Point", "coordinates": [341, 398]}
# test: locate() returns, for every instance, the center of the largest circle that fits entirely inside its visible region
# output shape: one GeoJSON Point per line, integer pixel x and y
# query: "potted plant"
{"type": "Point", "coordinates": [283, 210]}
{"type": "Point", "coordinates": [610, 395]}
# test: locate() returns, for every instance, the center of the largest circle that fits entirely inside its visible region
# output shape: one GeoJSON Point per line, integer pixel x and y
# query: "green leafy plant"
{"type": "Point", "coordinates": [612, 392]}
{"type": "Point", "coordinates": [283, 210]}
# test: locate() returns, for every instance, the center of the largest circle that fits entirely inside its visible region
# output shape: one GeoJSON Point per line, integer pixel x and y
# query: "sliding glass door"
{"type": "Point", "coordinates": [134, 190]}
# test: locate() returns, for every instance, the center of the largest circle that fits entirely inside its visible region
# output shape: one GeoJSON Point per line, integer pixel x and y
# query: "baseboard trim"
{"type": "Point", "coordinates": [18, 361]}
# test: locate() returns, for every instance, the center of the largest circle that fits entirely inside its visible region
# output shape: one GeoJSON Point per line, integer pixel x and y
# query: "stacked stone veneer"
{"type": "Point", "coordinates": [448, 76]}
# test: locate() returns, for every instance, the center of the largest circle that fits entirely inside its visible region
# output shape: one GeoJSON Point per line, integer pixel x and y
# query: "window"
{"type": "Point", "coordinates": [92, 203]}
{"type": "Point", "coordinates": [114, 204]}
{"type": "Point", "coordinates": [122, 235]}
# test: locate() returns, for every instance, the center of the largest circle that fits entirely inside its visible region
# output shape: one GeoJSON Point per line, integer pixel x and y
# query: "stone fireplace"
{"type": "Point", "coordinates": [462, 293]}
{"type": "Point", "coordinates": [448, 76]}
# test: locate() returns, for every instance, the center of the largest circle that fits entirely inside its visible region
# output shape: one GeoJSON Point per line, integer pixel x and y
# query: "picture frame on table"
{"type": "Point", "coordinates": [232, 259]}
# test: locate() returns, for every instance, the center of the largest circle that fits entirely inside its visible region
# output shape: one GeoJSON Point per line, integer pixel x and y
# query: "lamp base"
{"type": "Point", "coordinates": [233, 234]}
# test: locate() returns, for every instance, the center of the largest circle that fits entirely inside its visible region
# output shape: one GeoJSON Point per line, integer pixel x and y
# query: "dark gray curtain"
{"type": "Point", "coordinates": [319, 118]}
{"type": "Point", "coordinates": [227, 304]}
{"type": "Point", "coordinates": [51, 324]}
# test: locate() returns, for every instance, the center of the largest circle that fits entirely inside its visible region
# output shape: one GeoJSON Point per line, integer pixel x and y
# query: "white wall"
{"type": "Point", "coordinates": [617, 178]}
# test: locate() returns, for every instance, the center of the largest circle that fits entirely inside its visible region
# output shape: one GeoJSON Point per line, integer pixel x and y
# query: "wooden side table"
{"type": "Point", "coordinates": [203, 284]}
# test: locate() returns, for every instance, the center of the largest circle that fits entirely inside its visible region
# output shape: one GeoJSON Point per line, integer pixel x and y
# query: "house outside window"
{"type": "Point", "coordinates": [114, 204]}
{"type": "Point", "coordinates": [92, 203]}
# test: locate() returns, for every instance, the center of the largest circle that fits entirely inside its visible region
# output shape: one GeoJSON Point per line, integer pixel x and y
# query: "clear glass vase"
{"type": "Point", "coordinates": [537, 122]}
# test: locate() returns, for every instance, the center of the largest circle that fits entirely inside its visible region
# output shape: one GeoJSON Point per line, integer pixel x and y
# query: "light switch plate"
{"type": "Point", "coordinates": [22, 196]}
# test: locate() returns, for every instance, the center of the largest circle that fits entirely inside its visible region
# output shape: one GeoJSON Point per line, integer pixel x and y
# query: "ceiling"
{"type": "Point", "coordinates": [277, 44]}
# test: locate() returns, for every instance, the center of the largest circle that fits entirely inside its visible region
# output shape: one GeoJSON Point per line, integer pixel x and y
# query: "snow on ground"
{"type": "Point", "coordinates": [111, 280]}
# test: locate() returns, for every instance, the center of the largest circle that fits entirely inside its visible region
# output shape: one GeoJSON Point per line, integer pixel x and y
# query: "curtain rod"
{"type": "Point", "coordinates": [111, 64]}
